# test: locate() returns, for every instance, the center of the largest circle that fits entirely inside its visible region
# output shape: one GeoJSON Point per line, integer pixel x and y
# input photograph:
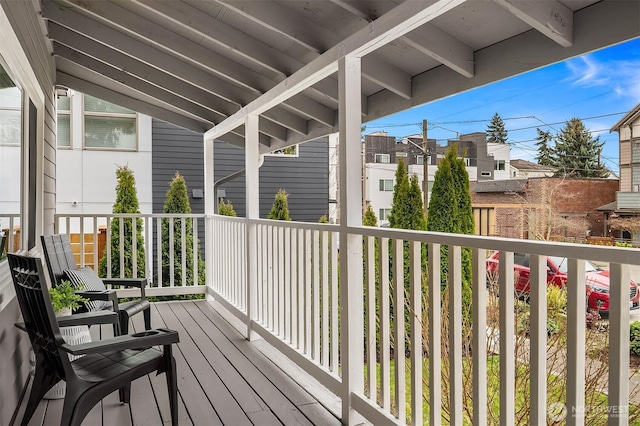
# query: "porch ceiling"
{"type": "Point", "coordinates": [195, 63]}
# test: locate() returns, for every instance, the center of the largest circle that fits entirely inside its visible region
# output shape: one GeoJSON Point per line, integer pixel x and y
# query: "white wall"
{"type": "Point", "coordinates": [88, 177]}
{"type": "Point", "coordinates": [500, 151]}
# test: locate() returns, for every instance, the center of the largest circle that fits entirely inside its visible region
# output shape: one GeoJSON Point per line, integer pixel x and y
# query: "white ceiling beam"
{"type": "Point", "coordinates": [269, 14]}
{"type": "Point", "coordinates": [550, 17]}
{"type": "Point", "coordinates": [442, 47]}
{"type": "Point", "coordinates": [303, 106]}
{"type": "Point", "coordinates": [404, 18]}
{"type": "Point", "coordinates": [616, 22]}
{"type": "Point", "coordinates": [108, 94]}
{"type": "Point", "coordinates": [133, 66]}
{"type": "Point", "coordinates": [66, 54]}
{"type": "Point", "coordinates": [165, 63]}
{"type": "Point", "coordinates": [427, 39]}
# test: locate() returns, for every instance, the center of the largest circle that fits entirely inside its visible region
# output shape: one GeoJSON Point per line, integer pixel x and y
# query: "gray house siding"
{"type": "Point", "coordinates": [305, 178]}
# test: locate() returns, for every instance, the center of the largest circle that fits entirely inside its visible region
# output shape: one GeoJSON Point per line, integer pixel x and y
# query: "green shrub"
{"type": "Point", "coordinates": [556, 302]}
{"type": "Point", "coordinates": [634, 338]}
{"type": "Point", "coordinates": [226, 209]}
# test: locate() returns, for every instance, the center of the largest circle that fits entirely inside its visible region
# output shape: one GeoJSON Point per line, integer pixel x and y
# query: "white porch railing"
{"type": "Point", "coordinates": [297, 309]}
{"type": "Point", "coordinates": [162, 280]}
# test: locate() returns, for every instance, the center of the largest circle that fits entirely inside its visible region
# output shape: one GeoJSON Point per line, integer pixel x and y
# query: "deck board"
{"type": "Point", "coordinates": [222, 379]}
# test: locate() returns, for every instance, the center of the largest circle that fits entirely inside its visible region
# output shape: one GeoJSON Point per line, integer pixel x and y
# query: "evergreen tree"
{"type": "Point", "coordinates": [545, 155]}
{"type": "Point", "coordinates": [226, 208]}
{"type": "Point", "coordinates": [576, 152]}
{"type": "Point", "coordinates": [407, 211]}
{"type": "Point", "coordinates": [496, 133]}
{"type": "Point", "coordinates": [177, 202]}
{"type": "Point", "coordinates": [450, 211]}
{"type": "Point", "coordinates": [280, 207]}
{"type": "Point", "coordinates": [369, 218]}
{"type": "Point", "coordinates": [323, 219]}
{"type": "Point", "coordinates": [126, 202]}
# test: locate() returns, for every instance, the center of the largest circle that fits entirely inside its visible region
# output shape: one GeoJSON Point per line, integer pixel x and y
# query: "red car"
{"type": "Point", "coordinates": [597, 279]}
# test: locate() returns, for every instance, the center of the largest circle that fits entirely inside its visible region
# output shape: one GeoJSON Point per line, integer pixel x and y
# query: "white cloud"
{"type": "Point", "coordinates": [622, 77]}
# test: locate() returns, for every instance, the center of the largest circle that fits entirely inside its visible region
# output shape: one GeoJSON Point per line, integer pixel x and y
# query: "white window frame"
{"type": "Point", "coordinates": [111, 115]}
{"type": "Point", "coordinates": [381, 157]}
{"type": "Point", "coordinates": [497, 163]}
{"type": "Point", "coordinates": [486, 174]}
{"type": "Point", "coordinates": [383, 214]}
{"type": "Point", "coordinates": [401, 154]}
{"type": "Point", "coordinates": [382, 185]}
{"type": "Point", "coordinates": [65, 112]}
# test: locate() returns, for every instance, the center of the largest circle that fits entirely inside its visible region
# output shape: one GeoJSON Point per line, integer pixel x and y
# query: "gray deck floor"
{"type": "Point", "coordinates": [222, 379]}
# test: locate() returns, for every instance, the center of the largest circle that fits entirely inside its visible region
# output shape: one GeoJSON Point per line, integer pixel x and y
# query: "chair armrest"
{"type": "Point", "coordinates": [142, 340]}
{"type": "Point", "coordinates": [106, 295]}
{"type": "Point", "coordinates": [88, 318]}
{"type": "Point", "coordinates": [126, 282]}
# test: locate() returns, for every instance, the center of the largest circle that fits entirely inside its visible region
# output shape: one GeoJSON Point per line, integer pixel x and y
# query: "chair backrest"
{"type": "Point", "coordinates": [37, 312]}
{"type": "Point", "coordinates": [59, 256]}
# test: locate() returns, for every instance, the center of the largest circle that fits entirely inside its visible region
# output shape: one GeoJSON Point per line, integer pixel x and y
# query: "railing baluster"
{"type": "Point", "coordinates": [307, 290]}
{"type": "Point", "coordinates": [286, 273]}
{"type": "Point", "coordinates": [159, 251]}
{"type": "Point", "coordinates": [385, 368]}
{"type": "Point", "coordinates": [82, 242]}
{"type": "Point", "coordinates": [293, 236]}
{"type": "Point", "coordinates": [371, 317]}
{"type": "Point", "coordinates": [455, 334]}
{"type": "Point", "coordinates": [95, 243]}
{"type": "Point", "coordinates": [301, 289]}
{"type": "Point", "coordinates": [280, 282]}
{"type": "Point", "coordinates": [121, 245]}
{"type": "Point", "coordinates": [335, 320]}
{"type": "Point", "coordinates": [415, 312]}
{"type": "Point", "coordinates": [134, 247]}
{"type": "Point", "coordinates": [108, 247]}
{"type": "Point", "coordinates": [435, 336]}
{"type": "Point", "coordinates": [316, 295]}
{"type": "Point", "coordinates": [576, 308]}
{"type": "Point", "coordinates": [538, 327]}
{"type": "Point", "coordinates": [195, 250]}
{"type": "Point", "coordinates": [507, 339]}
{"type": "Point", "coordinates": [324, 243]}
{"type": "Point", "coordinates": [619, 339]}
{"type": "Point", "coordinates": [398, 321]}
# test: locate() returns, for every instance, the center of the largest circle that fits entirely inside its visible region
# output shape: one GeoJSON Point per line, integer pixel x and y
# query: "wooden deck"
{"type": "Point", "coordinates": [223, 379]}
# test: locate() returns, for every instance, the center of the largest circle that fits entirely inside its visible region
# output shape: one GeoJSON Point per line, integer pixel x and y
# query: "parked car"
{"type": "Point", "coordinates": [597, 279]}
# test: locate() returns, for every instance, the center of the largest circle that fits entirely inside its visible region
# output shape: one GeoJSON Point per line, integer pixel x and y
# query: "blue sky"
{"type": "Point", "coordinates": [599, 88]}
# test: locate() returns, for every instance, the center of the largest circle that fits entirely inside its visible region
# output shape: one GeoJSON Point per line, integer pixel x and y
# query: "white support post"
{"type": "Point", "coordinates": [209, 202]}
{"type": "Point", "coordinates": [619, 338]}
{"type": "Point", "coordinates": [252, 193]}
{"type": "Point", "coordinates": [576, 344]}
{"type": "Point", "coordinates": [349, 77]}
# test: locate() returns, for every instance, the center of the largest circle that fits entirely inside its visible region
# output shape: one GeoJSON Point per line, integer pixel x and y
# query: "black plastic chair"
{"type": "Point", "coordinates": [62, 265]}
{"type": "Point", "coordinates": [106, 366]}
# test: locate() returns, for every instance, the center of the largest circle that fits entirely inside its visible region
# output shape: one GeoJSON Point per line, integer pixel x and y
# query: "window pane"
{"type": "Point", "coordinates": [64, 103]}
{"type": "Point", "coordinates": [635, 152]}
{"type": "Point", "coordinates": [9, 127]}
{"type": "Point", "coordinates": [92, 104]}
{"type": "Point", "coordinates": [64, 130]}
{"type": "Point", "coordinates": [109, 132]}
{"type": "Point", "coordinates": [9, 96]}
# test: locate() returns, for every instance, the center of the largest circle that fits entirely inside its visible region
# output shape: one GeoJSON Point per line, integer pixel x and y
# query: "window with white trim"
{"type": "Point", "coordinates": [401, 154]}
{"type": "Point", "coordinates": [384, 214]}
{"type": "Point", "coordinates": [386, 184]}
{"type": "Point", "coordinates": [499, 165]}
{"type": "Point", "coordinates": [420, 160]}
{"type": "Point", "coordinates": [63, 123]}
{"type": "Point", "coordinates": [382, 158]}
{"type": "Point", "coordinates": [109, 126]}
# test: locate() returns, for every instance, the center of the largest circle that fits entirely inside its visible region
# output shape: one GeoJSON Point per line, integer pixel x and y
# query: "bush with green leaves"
{"type": "Point", "coordinates": [280, 207]}
{"type": "Point", "coordinates": [63, 296]}
{"type": "Point", "coordinates": [177, 202]}
{"type": "Point", "coordinates": [634, 338]}
{"type": "Point", "coordinates": [126, 202]}
{"type": "Point", "coordinates": [226, 208]}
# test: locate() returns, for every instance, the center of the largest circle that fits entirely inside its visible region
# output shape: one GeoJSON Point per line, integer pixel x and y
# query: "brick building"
{"type": "Point", "coordinates": [542, 208]}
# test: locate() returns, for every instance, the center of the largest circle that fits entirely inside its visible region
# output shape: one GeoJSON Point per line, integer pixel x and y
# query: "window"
{"type": "Point", "coordinates": [382, 158]}
{"type": "Point", "coordinates": [386, 184]}
{"type": "Point", "coordinates": [635, 152]}
{"type": "Point", "coordinates": [63, 133]}
{"type": "Point", "coordinates": [401, 154]}
{"type": "Point", "coordinates": [420, 160]}
{"type": "Point", "coordinates": [108, 126]}
{"type": "Point", "coordinates": [290, 151]}
{"type": "Point", "coordinates": [384, 214]}
{"type": "Point", "coordinates": [485, 173]}
{"type": "Point", "coordinates": [499, 165]}
{"type": "Point", "coordinates": [11, 135]}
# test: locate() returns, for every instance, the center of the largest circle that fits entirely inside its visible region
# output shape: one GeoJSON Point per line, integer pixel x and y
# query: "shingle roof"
{"type": "Point", "coordinates": [528, 165]}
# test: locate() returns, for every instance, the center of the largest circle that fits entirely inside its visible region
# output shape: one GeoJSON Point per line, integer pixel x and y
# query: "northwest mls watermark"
{"type": "Point", "coordinates": [557, 411]}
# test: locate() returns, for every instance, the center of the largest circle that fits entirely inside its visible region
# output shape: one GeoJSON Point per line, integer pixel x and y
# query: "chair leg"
{"type": "Point", "coordinates": [147, 318]}
{"type": "Point", "coordinates": [124, 323]}
{"type": "Point", "coordinates": [125, 394]}
{"type": "Point", "coordinates": [42, 382]}
{"type": "Point", "coordinates": [172, 384]}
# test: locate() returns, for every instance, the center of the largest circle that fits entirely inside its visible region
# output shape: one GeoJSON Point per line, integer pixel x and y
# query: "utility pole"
{"type": "Point", "coordinates": [425, 168]}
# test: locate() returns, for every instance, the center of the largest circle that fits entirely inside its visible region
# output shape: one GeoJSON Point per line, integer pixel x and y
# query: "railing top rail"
{"type": "Point", "coordinates": [128, 215]}
{"type": "Point", "coordinates": [548, 248]}
{"type": "Point", "coordinates": [299, 225]}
